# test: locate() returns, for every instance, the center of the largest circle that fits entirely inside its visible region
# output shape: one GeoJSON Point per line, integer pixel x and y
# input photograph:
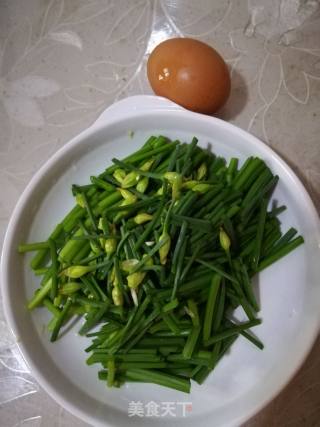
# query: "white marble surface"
{"type": "Point", "coordinates": [63, 61]}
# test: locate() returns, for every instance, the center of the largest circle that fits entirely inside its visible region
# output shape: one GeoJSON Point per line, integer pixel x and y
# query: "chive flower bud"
{"type": "Point", "coordinates": [175, 180]}
{"type": "Point", "coordinates": [147, 165]}
{"type": "Point", "coordinates": [117, 296]}
{"type": "Point", "coordinates": [129, 197]}
{"type": "Point", "coordinates": [115, 281]}
{"type": "Point", "coordinates": [171, 176]}
{"type": "Point", "coordinates": [103, 224]}
{"type": "Point", "coordinates": [128, 264]}
{"type": "Point", "coordinates": [57, 300]}
{"type": "Point", "coordinates": [76, 271]}
{"type": "Point", "coordinates": [70, 288]}
{"type": "Point", "coordinates": [112, 275]}
{"type": "Point", "coordinates": [130, 180]}
{"type": "Point", "coordinates": [142, 184]}
{"type": "Point", "coordinates": [142, 218]}
{"type": "Point", "coordinates": [176, 187]}
{"type": "Point", "coordinates": [165, 248]}
{"type": "Point", "coordinates": [119, 175]}
{"type": "Point", "coordinates": [202, 188]}
{"type": "Point", "coordinates": [189, 185]}
{"type": "Point", "coordinates": [160, 191]}
{"type": "Point", "coordinates": [134, 279]}
{"type": "Point", "coordinates": [110, 246]}
{"type": "Point", "coordinates": [202, 171]}
{"type": "Point", "coordinates": [224, 240]}
{"type": "Point", "coordinates": [80, 200]}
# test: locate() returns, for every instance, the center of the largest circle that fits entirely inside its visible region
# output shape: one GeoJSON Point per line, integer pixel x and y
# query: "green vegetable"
{"type": "Point", "coordinates": [212, 296]}
{"type": "Point", "coordinates": [172, 381]}
{"type": "Point", "coordinates": [157, 252]}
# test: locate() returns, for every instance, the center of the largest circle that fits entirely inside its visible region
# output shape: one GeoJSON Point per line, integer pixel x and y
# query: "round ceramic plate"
{"type": "Point", "coordinates": [289, 292]}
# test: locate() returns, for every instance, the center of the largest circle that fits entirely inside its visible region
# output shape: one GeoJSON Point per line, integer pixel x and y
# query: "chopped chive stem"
{"type": "Point", "coordinates": [284, 239]}
{"type": "Point", "coordinates": [40, 295]}
{"type": "Point", "coordinates": [39, 258]}
{"type": "Point", "coordinates": [217, 270]}
{"type": "Point", "coordinates": [89, 211]}
{"type": "Point", "coordinates": [231, 331]}
{"type": "Point", "coordinates": [260, 231]}
{"type": "Point", "coordinates": [29, 247]}
{"type": "Point", "coordinates": [60, 319]}
{"type": "Point", "coordinates": [170, 305]}
{"type": "Point", "coordinates": [111, 373]}
{"type": "Point", "coordinates": [252, 339]}
{"type": "Point", "coordinates": [54, 269]}
{"type": "Point", "coordinates": [211, 302]}
{"type": "Point", "coordinates": [284, 250]}
{"type": "Point", "coordinates": [92, 320]}
{"type": "Point", "coordinates": [248, 289]}
{"type": "Point", "coordinates": [191, 342]}
{"type": "Point", "coordinates": [172, 381]}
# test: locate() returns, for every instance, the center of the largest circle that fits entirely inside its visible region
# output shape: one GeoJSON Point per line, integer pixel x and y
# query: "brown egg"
{"type": "Point", "coordinates": [190, 73]}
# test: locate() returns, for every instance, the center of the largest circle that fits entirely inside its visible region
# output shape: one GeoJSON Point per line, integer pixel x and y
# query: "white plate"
{"type": "Point", "coordinates": [247, 378]}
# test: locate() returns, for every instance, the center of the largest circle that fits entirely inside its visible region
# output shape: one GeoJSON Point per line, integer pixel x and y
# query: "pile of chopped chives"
{"type": "Point", "coordinates": [157, 253]}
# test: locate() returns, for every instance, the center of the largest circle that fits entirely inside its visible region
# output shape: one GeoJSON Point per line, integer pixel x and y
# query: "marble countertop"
{"type": "Point", "coordinates": [62, 62]}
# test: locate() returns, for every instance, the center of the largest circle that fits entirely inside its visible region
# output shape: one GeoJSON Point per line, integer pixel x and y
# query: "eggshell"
{"type": "Point", "coordinates": [190, 73]}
